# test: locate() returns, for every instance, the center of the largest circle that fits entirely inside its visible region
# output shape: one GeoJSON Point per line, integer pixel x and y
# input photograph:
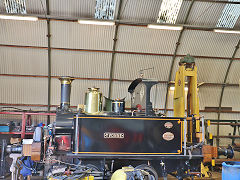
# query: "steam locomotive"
{"type": "Point", "coordinates": [117, 144]}
{"type": "Point", "coordinates": [148, 144]}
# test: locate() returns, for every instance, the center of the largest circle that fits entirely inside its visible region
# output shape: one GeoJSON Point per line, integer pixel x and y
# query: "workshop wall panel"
{"type": "Point", "coordinates": [81, 64]}
{"type": "Point", "coordinates": [79, 36]}
{"type": "Point", "coordinates": [25, 33]}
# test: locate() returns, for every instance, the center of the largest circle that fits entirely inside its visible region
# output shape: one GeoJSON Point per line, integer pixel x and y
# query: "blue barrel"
{"type": "Point", "coordinates": [231, 170]}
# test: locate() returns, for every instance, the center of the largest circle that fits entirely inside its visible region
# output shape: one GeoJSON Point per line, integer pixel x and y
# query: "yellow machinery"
{"type": "Point", "coordinates": [187, 72]}
{"type": "Point", "coordinates": [131, 173]}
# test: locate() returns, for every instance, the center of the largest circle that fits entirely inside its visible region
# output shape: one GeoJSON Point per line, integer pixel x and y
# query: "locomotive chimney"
{"type": "Point", "coordinates": [65, 92]}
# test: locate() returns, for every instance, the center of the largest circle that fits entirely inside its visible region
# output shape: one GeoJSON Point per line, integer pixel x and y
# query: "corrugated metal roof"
{"type": "Point", "coordinates": [238, 52]}
{"type": "Point", "coordinates": [23, 90]}
{"type": "Point", "coordinates": [29, 33]}
{"type": "Point", "coordinates": [2, 7]}
{"type": "Point", "coordinates": [231, 98]}
{"type": "Point", "coordinates": [225, 130]}
{"type": "Point", "coordinates": [209, 115]}
{"type": "Point", "coordinates": [170, 99]}
{"type": "Point", "coordinates": [237, 25]}
{"type": "Point", "coordinates": [141, 10]}
{"type": "Point", "coordinates": [183, 12]}
{"type": "Point", "coordinates": [23, 61]}
{"type": "Point", "coordinates": [80, 36]}
{"type": "Point", "coordinates": [32, 7]}
{"type": "Point", "coordinates": [229, 16]}
{"type": "Point", "coordinates": [209, 96]}
{"type": "Point", "coordinates": [201, 11]}
{"type": "Point", "coordinates": [77, 8]}
{"type": "Point", "coordinates": [158, 95]}
{"type": "Point", "coordinates": [207, 43]}
{"type": "Point", "coordinates": [120, 90]}
{"type": "Point", "coordinates": [234, 73]}
{"type": "Point", "coordinates": [142, 39]}
{"type": "Point", "coordinates": [209, 70]}
{"type": "Point", "coordinates": [79, 87]}
{"type": "Point", "coordinates": [36, 7]}
{"type": "Point", "coordinates": [230, 116]}
{"type": "Point", "coordinates": [81, 64]}
{"type": "Point", "coordinates": [127, 66]}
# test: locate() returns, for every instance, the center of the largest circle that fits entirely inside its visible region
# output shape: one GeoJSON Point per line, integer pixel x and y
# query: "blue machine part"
{"type": "Point", "coordinates": [231, 170]}
{"type": "Point", "coordinates": [26, 166]}
{"type": "Point", "coordinates": [4, 128]}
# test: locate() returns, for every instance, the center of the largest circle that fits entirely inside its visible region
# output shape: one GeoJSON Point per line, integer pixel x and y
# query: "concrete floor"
{"type": "Point", "coordinates": [215, 176]}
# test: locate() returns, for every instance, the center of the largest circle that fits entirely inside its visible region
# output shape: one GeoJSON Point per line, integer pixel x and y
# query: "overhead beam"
{"type": "Point", "coordinates": [223, 88]}
{"type": "Point", "coordinates": [119, 52]}
{"type": "Point", "coordinates": [123, 22]}
{"type": "Point", "coordinates": [175, 55]}
{"type": "Point", "coordinates": [219, 2]}
{"type": "Point", "coordinates": [117, 80]}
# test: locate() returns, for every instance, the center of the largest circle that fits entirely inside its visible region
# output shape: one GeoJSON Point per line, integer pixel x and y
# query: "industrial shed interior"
{"type": "Point", "coordinates": [141, 39]}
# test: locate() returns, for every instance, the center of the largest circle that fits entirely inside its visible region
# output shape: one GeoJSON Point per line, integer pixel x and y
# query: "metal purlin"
{"type": "Point", "coordinates": [113, 51]}
{"type": "Point", "coordinates": [223, 88]}
{"type": "Point", "coordinates": [175, 55]}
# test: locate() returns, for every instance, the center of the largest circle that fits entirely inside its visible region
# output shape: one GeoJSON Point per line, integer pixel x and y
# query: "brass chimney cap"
{"type": "Point", "coordinates": [93, 89]}
{"type": "Point", "coordinates": [66, 79]}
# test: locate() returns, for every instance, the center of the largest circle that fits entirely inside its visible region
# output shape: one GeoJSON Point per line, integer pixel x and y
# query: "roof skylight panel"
{"type": "Point", "coordinates": [229, 15]}
{"type": "Point", "coordinates": [169, 11]}
{"type": "Point", "coordinates": [15, 6]}
{"type": "Point", "coordinates": [105, 9]}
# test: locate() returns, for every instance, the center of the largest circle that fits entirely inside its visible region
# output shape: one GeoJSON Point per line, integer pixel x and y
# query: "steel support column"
{"type": "Point", "coordinates": [114, 51]}
{"type": "Point", "coordinates": [49, 60]}
{"type": "Point", "coordinates": [175, 55]}
{"type": "Point", "coordinates": [223, 88]}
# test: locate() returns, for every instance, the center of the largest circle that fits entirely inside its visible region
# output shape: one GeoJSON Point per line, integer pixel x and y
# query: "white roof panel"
{"type": "Point", "coordinates": [209, 96]}
{"type": "Point", "coordinates": [80, 36]}
{"type": "Point", "coordinates": [234, 73]}
{"type": "Point", "coordinates": [18, 90]}
{"type": "Point", "coordinates": [81, 64]}
{"type": "Point", "coordinates": [207, 43]}
{"type": "Point", "coordinates": [127, 66]}
{"type": "Point", "coordinates": [231, 98]}
{"type": "Point", "coordinates": [28, 33]}
{"type": "Point", "coordinates": [23, 61]}
{"type": "Point", "coordinates": [142, 39]}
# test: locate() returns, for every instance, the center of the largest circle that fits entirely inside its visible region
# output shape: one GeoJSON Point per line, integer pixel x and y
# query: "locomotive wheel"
{"type": "Point", "coordinates": [93, 167]}
{"type": "Point", "coordinates": [149, 169]}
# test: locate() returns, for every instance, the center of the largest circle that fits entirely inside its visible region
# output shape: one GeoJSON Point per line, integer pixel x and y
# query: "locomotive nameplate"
{"type": "Point", "coordinates": [113, 135]}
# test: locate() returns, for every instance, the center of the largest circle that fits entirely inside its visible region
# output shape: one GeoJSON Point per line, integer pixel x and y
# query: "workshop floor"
{"type": "Point", "coordinates": [215, 176]}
